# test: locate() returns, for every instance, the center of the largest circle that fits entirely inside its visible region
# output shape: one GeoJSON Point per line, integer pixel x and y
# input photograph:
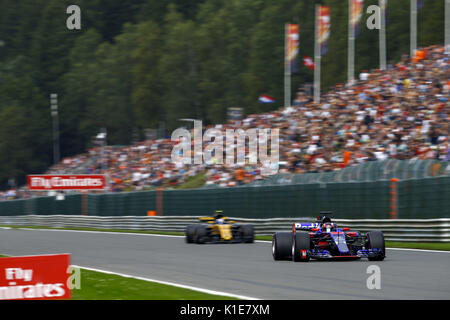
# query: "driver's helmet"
{"type": "Point", "coordinates": [328, 227]}
{"type": "Point", "coordinates": [219, 217]}
{"type": "Point", "coordinates": [326, 219]}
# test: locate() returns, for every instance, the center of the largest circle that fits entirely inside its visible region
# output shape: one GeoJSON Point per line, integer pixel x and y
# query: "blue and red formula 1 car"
{"type": "Point", "coordinates": [324, 240]}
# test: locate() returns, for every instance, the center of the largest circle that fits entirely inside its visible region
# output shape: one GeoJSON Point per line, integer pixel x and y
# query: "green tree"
{"type": "Point", "coordinates": [112, 105]}
{"type": "Point", "coordinates": [25, 134]}
{"type": "Point", "coordinates": [178, 70]}
{"type": "Point", "coordinates": [431, 23]}
{"type": "Point", "coordinates": [77, 101]}
{"type": "Point", "coordinates": [147, 85]}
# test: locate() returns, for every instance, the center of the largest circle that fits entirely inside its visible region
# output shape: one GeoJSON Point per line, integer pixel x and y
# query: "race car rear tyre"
{"type": "Point", "coordinates": [201, 234]}
{"type": "Point", "coordinates": [190, 231]}
{"type": "Point", "coordinates": [248, 234]}
{"type": "Point", "coordinates": [375, 240]}
{"type": "Point", "coordinates": [282, 246]}
{"type": "Point", "coordinates": [301, 244]}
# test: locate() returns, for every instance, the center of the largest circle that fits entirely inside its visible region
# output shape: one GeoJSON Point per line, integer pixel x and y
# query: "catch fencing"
{"type": "Point", "coordinates": [407, 230]}
{"type": "Point", "coordinates": [409, 199]}
{"type": "Point", "coordinates": [403, 189]}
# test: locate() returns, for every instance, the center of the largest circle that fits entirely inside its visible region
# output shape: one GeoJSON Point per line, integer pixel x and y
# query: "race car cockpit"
{"type": "Point", "coordinates": [328, 227]}
{"type": "Point", "coordinates": [326, 224]}
{"type": "Point", "coordinates": [219, 217]}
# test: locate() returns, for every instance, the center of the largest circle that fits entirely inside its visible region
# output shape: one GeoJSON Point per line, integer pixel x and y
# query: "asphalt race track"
{"type": "Point", "coordinates": [243, 269]}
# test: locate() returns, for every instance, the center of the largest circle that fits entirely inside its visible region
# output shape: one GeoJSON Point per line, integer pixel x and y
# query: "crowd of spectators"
{"type": "Point", "coordinates": [399, 113]}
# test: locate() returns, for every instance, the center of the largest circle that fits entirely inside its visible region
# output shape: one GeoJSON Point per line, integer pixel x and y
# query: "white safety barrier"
{"type": "Point", "coordinates": [412, 230]}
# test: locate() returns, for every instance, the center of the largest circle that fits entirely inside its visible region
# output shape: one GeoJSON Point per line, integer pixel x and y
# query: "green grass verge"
{"type": "Point", "coordinates": [96, 285]}
{"type": "Point", "coordinates": [194, 182]}
{"type": "Point", "coordinates": [420, 245]}
{"type": "Point", "coordinates": [94, 229]}
{"type": "Point", "coordinates": [390, 244]}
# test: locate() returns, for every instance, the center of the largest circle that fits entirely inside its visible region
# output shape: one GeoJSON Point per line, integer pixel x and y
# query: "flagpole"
{"type": "Point", "coordinates": [382, 34]}
{"type": "Point", "coordinates": [351, 45]}
{"type": "Point", "coordinates": [413, 28]}
{"type": "Point", "coordinates": [447, 25]}
{"type": "Point", "coordinates": [317, 58]}
{"type": "Point", "coordinates": [287, 70]}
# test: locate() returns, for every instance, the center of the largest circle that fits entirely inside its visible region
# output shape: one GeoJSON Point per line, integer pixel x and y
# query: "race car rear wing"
{"type": "Point", "coordinates": [305, 226]}
{"type": "Point", "coordinates": [213, 219]}
{"type": "Point", "coordinates": [312, 226]}
{"type": "Point", "coordinates": [206, 218]}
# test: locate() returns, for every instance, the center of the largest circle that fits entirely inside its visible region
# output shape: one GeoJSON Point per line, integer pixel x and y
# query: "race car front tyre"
{"type": "Point", "coordinates": [375, 240]}
{"type": "Point", "coordinates": [190, 231]}
{"type": "Point", "coordinates": [201, 234]}
{"type": "Point", "coordinates": [301, 244]}
{"type": "Point", "coordinates": [248, 234]}
{"type": "Point", "coordinates": [282, 246]}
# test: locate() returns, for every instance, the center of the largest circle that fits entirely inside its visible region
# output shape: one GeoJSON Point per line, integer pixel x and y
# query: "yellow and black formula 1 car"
{"type": "Point", "coordinates": [219, 229]}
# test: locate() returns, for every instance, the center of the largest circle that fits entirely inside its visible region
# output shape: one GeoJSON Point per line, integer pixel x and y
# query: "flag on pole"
{"type": "Point", "coordinates": [292, 41]}
{"type": "Point", "coordinates": [266, 99]}
{"type": "Point", "coordinates": [356, 13]}
{"type": "Point", "coordinates": [382, 33]}
{"type": "Point", "coordinates": [308, 62]}
{"type": "Point", "coordinates": [324, 28]}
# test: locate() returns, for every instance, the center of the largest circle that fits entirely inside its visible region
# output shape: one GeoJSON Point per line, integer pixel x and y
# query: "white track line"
{"type": "Point", "coordinates": [208, 291]}
{"type": "Point", "coordinates": [174, 236]}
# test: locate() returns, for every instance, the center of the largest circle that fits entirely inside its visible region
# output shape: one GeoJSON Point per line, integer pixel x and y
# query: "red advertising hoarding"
{"type": "Point", "coordinates": [42, 277]}
{"type": "Point", "coordinates": [66, 182]}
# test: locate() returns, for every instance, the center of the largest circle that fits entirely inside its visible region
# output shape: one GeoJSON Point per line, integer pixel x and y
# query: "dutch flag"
{"type": "Point", "coordinates": [308, 62]}
{"type": "Point", "coordinates": [266, 99]}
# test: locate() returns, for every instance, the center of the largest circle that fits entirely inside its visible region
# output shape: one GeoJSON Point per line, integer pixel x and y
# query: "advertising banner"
{"type": "Point", "coordinates": [66, 182]}
{"type": "Point", "coordinates": [42, 277]}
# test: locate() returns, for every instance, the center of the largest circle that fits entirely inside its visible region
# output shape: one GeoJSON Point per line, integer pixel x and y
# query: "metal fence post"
{"type": "Point", "coordinates": [159, 201]}
{"type": "Point", "coordinates": [393, 199]}
{"type": "Point", "coordinates": [84, 204]}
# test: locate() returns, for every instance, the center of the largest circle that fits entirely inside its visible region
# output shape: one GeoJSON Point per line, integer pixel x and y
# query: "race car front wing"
{"type": "Point", "coordinates": [325, 254]}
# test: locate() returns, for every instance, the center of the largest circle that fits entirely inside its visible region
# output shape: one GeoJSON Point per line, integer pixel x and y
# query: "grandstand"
{"type": "Point", "coordinates": [402, 113]}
